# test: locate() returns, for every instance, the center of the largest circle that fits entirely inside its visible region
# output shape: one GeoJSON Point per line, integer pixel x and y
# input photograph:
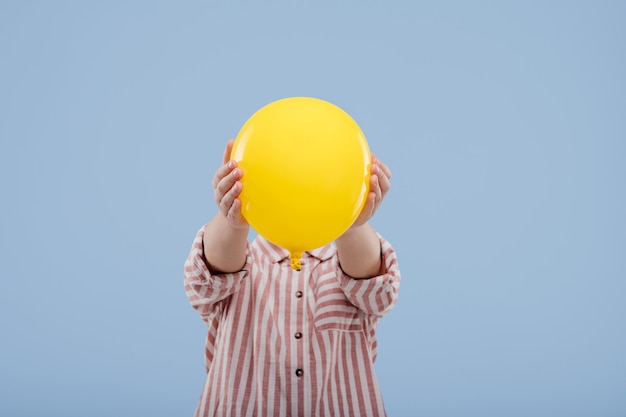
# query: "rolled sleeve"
{"type": "Point", "coordinates": [376, 295]}
{"type": "Point", "coordinates": [205, 289]}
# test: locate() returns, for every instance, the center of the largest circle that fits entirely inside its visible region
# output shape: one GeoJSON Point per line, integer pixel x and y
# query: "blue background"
{"type": "Point", "coordinates": [504, 124]}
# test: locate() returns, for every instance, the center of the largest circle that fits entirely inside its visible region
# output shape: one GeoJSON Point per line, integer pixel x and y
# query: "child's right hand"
{"type": "Point", "coordinates": [227, 187]}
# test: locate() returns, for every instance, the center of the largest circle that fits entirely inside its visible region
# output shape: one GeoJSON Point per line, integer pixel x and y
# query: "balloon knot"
{"type": "Point", "coordinates": [295, 262]}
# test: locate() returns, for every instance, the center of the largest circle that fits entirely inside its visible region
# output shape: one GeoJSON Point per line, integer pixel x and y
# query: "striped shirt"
{"type": "Point", "coordinates": [291, 343]}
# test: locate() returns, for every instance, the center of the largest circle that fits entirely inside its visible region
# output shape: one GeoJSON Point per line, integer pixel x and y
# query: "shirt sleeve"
{"type": "Point", "coordinates": [376, 295]}
{"type": "Point", "coordinates": [204, 289]}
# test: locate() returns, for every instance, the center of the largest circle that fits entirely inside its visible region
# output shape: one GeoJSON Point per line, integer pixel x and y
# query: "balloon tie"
{"type": "Point", "coordinates": [295, 261]}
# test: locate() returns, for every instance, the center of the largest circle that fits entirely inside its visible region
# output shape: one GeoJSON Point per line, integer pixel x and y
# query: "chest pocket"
{"type": "Point", "coordinates": [333, 310]}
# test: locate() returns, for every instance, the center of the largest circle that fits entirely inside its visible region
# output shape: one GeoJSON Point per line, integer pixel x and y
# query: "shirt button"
{"type": "Point", "coordinates": [298, 294]}
{"type": "Point", "coordinates": [299, 372]}
{"type": "Point", "coordinates": [298, 335]}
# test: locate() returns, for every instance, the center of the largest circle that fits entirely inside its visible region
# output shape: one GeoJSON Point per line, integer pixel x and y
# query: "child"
{"type": "Point", "coordinates": [283, 342]}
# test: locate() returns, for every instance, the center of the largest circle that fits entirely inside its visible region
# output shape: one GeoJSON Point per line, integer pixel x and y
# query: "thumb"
{"type": "Point", "coordinates": [228, 150]}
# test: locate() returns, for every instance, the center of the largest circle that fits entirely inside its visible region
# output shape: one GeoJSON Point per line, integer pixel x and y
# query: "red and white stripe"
{"type": "Point", "coordinates": [252, 352]}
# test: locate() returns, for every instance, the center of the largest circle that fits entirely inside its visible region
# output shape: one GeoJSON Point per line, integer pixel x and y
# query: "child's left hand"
{"type": "Point", "coordinates": [379, 186]}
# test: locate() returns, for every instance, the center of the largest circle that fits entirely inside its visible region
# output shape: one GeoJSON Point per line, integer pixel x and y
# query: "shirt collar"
{"type": "Point", "coordinates": [277, 254]}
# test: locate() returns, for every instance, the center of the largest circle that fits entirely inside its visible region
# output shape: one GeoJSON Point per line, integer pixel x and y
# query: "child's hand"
{"type": "Point", "coordinates": [379, 186]}
{"type": "Point", "coordinates": [227, 187]}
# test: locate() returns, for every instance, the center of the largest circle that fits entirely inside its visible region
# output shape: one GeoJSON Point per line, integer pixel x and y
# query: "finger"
{"type": "Point", "coordinates": [377, 162]}
{"type": "Point", "coordinates": [222, 172]}
{"type": "Point", "coordinates": [375, 187]}
{"type": "Point", "coordinates": [229, 197]}
{"type": "Point", "coordinates": [234, 213]}
{"type": "Point", "coordinates": [383, 181]}
{"type": "Point", "coordinates": [228, 150]}
{"type": "Point", "coordinates": [384, 168]}
{"type": "Point", "coordinates": [382, 172]}
{"type": "Point", "coordinates": [226, 183]}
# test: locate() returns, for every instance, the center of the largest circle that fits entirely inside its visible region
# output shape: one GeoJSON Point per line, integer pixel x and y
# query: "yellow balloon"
{"type": "Point", "coordinates": [306, 170]}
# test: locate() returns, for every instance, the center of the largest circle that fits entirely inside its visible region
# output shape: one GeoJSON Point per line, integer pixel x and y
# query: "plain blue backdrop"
{"type": "Point", "coordinates": [504, 124]}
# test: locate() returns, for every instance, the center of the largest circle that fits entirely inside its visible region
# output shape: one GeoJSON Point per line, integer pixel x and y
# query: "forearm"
{"type": "Point", "coordinates": [359, 252]}
{"type": "Point", "coordinates": [225, 244]}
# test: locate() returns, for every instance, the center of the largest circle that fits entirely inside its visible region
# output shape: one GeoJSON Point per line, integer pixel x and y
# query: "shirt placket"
{"type": "Point", "coordinates": [298, 331]}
